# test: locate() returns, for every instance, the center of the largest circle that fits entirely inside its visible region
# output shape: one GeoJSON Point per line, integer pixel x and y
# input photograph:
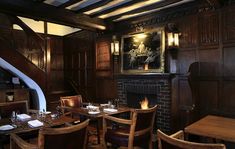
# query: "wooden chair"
{"type": "Point", "coordinates": [176, 141]}
{"type": "Point", "coordinates": [138, 130]}
{"type": "Point", "coordinates": [71, 102]}
{"type": "Point", "coordinates": [71, 137]}
{"type": "Point", "coordinates": [76, 102]}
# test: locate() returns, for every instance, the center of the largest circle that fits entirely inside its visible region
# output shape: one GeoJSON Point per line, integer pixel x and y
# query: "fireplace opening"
{"type": "Point", "coordinates": [134, 99]}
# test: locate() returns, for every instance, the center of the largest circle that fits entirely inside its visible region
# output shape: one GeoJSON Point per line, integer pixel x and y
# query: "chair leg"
{"type": "Point", "coordinates": [104, 146]}
{"type": "Point", "coordinates": [98, 131]}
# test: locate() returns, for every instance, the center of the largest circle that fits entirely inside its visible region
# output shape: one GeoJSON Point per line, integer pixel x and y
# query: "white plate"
{"type": "Point", "coordinates": [93, 112]}
{"type": "Point", "coordinates": [6, 127]}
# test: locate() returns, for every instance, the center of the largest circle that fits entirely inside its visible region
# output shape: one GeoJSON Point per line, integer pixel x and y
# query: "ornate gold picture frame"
{"type": "Point", "coordinates": [143, 52]}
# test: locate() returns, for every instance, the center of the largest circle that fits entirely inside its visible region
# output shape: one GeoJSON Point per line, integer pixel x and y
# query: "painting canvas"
{"type": "Point", "coordinates": [143, 52]}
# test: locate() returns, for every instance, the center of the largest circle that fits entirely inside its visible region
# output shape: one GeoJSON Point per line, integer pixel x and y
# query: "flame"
{"type": "Point", "coordinates": [144, 103]}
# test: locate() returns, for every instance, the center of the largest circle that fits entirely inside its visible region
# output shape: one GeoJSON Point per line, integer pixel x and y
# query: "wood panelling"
{"type": "Point", "coordinates": [106, 87]}
{"type": "Point", "coordinates": [79, 63]}
{"type": "Point", "coordinates": [103, 58]}
{"type": "Point", "coordinates": [185, 58]}
{"type": "Point", "coordinates": [214, 54]}
{"type": "Point", "coordinates": [228, 25]}
{"type": "Point", "coordinates": [227, 102]}
{"type": "Point", "coordinates": [185, 96]}
{"type": "Point", "coordinates": [208, 95]}
{"type": "Point", "coordinates": [209, 29]}
{"type": "Point", "coordinates": [184, 104]}
{"type": "Point", "coordinates": [229, 63]}
{"type": "Point", "coordinates": [31, 49]}
{"type": "Point", "coordinates": [188, 27]}
{"type": "Point", "coordinates": [207, 38]}
{"type": "Point", "coordinates": [56, 80]}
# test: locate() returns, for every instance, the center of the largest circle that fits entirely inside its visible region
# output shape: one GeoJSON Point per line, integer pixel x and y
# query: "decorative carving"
{"type": "Point", "coordinates": [209, 29]}
{"type": "Point", "coordinates": [188, 27]}
{"type": "Point", "coordinates": [229, 25]}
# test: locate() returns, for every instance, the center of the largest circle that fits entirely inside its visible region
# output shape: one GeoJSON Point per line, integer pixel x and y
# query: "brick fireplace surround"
{"type": "Point", "coordinates": [154, 84]}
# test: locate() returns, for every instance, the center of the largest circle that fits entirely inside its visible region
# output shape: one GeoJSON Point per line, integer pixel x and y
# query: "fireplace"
{"type": "Point", "coordinates": [155, 87]}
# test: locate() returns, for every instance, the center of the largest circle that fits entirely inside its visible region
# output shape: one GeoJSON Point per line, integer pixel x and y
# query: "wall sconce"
{"type": "Point", "coordinates": [173, 39]}
{"type": "Point", "coordinates": [115, 46]}
{"type": "Point", "coordinates": [172, 35]}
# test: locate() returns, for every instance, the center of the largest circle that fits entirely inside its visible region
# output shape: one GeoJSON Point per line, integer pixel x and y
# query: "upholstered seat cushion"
{"type": "Point", "coordinates": [120, 136]}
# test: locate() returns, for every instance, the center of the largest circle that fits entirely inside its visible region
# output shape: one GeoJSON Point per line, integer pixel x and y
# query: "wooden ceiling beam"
{"type": "Point", "coordinates": [93, 6]}
{"type": "Point", "coordinates": [69, 3]}
{"type": "Point", "coordinates": [116, 7]}
{"type": "Point", "coordinates": [145, 8]}
{"type": "Point", "coordinates": [49, 13]}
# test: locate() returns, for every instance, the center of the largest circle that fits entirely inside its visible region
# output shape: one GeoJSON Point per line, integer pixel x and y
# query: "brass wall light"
{"type": "Point", "coordinates": [172, 36]}
{"type": "Point", "coordinates": [173, 39]}
{"type": "Point", "coordinates": [115, 46]}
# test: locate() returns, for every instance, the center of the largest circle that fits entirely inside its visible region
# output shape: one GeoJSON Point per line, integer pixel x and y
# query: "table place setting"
{"type": "Point", "coordinates": [6, 127]}
{"type": "Point", "coordinates": [93, 109]}
{"type": "Point", "coordinates": [35, 123]}
{"type": "Point", "coordinates": [23, 116]}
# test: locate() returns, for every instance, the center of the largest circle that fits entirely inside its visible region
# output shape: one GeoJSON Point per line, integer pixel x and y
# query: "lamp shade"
{"type": "Point", "coordinates": [115, 47]}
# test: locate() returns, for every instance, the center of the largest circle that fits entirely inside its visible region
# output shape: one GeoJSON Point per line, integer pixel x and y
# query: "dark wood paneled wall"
{"type": "Point", "coordinates": [45, 65]}
{"type": "Point", "coordinates": [106, 87]}
{"type": "Point", "coordinates": [207, 37]}
{"type": "Point", "coordinates": [79, 63]}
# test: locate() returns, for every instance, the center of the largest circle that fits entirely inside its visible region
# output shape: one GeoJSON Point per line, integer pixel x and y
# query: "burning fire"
{"type": "Point", "coordinates": [144, 103]}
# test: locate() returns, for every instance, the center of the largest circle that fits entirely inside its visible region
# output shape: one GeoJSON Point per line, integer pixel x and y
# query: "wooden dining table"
{"type": "Point", "coordinates": [83, 111]}
{"type": "Point", "coordinates": [217, 127]}
{"type": "Point", "coordinates": [22, 127]}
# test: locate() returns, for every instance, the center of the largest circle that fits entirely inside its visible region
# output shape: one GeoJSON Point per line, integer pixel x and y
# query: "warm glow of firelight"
{"type": "Point", "coordinates": [144, 103]}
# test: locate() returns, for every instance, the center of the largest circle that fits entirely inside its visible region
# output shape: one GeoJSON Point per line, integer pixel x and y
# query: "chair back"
{"type": "Point", "coordinates": [176, 142]}
{"type": "Point", "coordinates": [17, 106]}
{"type": "Point", "coordinates": [70, 137]}
{"type": "Point", "coordinates": [142, 127]}
{"type": "Point", "coordinates": [147, 116]}
{"type": "Point", "coordinates": [71, 101]}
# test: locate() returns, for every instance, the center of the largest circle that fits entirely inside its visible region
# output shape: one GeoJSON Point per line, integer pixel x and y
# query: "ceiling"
{"type": "Point", "coordinates": [85, 14]}
{"type": "Point", "coordinates": [115, 10]}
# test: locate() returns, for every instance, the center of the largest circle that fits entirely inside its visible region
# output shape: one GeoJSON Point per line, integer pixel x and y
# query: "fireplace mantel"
{"type": "Point", "coordinates": [144, 75]}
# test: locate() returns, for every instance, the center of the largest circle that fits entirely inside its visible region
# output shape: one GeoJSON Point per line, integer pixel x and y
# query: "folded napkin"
{"type": "Point", "coordinates": [23, 116]}
{"type": "Point", "coordinates": [6, 127]}
{"type": "Point", "coordinates": [35, 123]}
{"type": "Point", "coordinates": [110, 110]}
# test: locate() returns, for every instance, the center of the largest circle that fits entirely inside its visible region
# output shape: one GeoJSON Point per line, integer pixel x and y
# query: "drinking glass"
{"type": "Point", "coordinates": [13, 116]}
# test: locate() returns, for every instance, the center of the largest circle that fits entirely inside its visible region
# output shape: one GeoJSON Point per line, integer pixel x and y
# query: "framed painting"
{"type": "Point", "coordinates": [143, 52]}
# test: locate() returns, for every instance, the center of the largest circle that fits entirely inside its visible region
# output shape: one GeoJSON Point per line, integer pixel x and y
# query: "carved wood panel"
{"type": "Point", "coordinates": [28, 47]}
{"type": "Point", "coordinates": [228, 24]}
{"type": "Point", "coordinates": [209, 29]}
{"type": "Point", "coordinates": [103, 58]}
{"type": "Point", "coordinates": [208, 96]}
{"type": "Point", "coordinates": [214, 54]}
{"type": "Point", "coordinates": [184, 103]}
{"type": "Point", "coordinates": [185, 58]}
{"type": "Point", "coordinates": [79, 54]}
{"type": "Point", "coordinates": [229, 63]}
{"type": "Point", "coordinates": [56, 65]}
{"type": "Point", "coordinates": [227, 102]}
{"type": "Point", "coordinates": [188, 27]}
